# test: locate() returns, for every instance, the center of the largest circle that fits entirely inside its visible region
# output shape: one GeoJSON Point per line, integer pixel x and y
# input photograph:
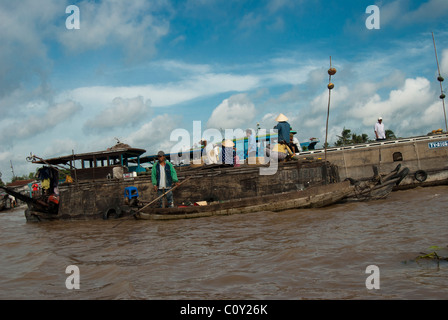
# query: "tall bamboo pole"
{"type": "Point", "coordinates": [440, 79]}
{"type": "Point", "coordinates": [331, 72]}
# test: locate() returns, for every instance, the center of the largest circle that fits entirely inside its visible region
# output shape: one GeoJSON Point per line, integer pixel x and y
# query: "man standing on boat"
{"type": "Point", "coordinates": [283, 128]}
{"type": "Point", "coordinates": [380, 133]}
{"type": "Point", "coordinates": [163, 176]}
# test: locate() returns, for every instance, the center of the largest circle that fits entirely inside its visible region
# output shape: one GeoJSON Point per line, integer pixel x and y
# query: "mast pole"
{"type": "Point", "coordinates": [440, 79]}
{"type": "Point", "coordinates": [331, 72]}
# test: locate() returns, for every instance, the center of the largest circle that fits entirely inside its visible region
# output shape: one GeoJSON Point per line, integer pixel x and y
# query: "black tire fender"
{"type": "Point", "coordinates": [420, 175]}
{"type": "Point", "coordinates": [112, 212]}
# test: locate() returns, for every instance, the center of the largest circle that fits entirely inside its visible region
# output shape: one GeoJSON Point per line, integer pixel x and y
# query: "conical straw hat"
{"type": "Point", "coordinates": [281, 117]}
{"type": "Point", "coordinates": [228, 143]}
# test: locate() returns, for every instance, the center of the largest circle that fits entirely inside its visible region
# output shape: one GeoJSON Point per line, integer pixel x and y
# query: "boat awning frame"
{"type": "Point", "coordinates": [98, 156]}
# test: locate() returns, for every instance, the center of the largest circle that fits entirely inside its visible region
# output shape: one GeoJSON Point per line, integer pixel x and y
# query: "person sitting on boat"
{"type": "Point", "coordinates": [228, 153]}
{"type": "Point", "coordinates": [209, 153]}
{"type": "Point", "coordinates": [294, 142]}
{"type": "Point", "coordinates": [163, 176]}
{"type": "Point", "coordinates": [280, 151]}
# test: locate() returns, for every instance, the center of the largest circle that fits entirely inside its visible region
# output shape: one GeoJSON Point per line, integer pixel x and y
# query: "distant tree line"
{"type": "Point", "coordinates": [33, 175]}
{"type": "Point", "coordinates": [348, 138]}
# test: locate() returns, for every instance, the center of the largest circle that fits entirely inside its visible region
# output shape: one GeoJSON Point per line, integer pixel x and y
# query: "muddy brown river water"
{"type": "Point", "coordinates": [297, 254]}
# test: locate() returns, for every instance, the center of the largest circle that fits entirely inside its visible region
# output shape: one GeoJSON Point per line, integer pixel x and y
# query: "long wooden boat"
{"type": "Point", "coordinates": [313, 197]}
{"type": "Point", "coordinates": [377, 187]}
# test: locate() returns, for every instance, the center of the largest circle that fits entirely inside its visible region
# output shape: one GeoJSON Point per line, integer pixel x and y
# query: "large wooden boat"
{"type": "Point", "coordinates": [425, 156]}
{"type": "Point", "coordinates": [317, 196]}
{"type": "Point", "coordinates": [101, 178]}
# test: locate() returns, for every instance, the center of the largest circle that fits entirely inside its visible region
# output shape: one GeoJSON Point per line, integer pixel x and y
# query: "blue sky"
{"type": "Point", "coordinates": [137, 70]}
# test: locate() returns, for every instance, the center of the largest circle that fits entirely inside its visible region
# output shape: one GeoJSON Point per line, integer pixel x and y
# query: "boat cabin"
{"type": "Point", "coordinates": [110, 163]}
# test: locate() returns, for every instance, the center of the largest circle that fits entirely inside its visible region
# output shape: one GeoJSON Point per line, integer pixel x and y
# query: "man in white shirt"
{"type": "Point", "coordinates": [380, 133]}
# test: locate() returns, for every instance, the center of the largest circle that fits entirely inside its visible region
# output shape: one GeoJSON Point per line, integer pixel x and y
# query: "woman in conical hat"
{"type": "Point", "coordinates": [281, 117]}
{"type": "Point", "coordinates": [283, 128]}
{"type": "Point", "coordinates": [228, 143]}
{"type": "Point", "coordinates": [228, 153]}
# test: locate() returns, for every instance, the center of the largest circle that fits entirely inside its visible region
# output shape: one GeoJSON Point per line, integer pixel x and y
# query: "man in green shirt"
{"type": "Point", "coordinates": [164, 176]}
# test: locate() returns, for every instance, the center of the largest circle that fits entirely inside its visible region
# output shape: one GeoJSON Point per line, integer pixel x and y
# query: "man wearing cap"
{"type": "Point", "coordinates": [163, 176]}
{"type": "Point", "coordinates": [283, 128]}
{"type": "Point", "coordinates": [379, 130]}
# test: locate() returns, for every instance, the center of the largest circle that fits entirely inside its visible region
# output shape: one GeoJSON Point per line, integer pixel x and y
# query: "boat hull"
{"type": "Point", "coordinates": [425, 156]}
{"type": "Point", "coordinates": [314, 197]}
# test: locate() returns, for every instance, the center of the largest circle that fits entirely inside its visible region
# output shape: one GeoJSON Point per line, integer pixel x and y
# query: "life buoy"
{"type": "Point", "coordinates": [420, 175]}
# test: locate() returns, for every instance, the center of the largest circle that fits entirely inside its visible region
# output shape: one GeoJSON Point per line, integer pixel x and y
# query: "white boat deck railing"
{"type": "Point", "coordinates": [376, 143]}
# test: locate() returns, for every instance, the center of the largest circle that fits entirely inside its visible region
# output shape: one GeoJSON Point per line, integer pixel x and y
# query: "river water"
{"type": "Point", "coordinates": [297, 254]}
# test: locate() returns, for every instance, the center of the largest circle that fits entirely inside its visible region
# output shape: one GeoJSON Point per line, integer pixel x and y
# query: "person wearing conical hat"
{"type": "Point", "coordinates": [228, 153]}
{"type": "Point", "coordinates": [283, 128]}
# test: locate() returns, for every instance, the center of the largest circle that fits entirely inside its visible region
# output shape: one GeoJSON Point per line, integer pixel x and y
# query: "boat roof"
{"type": "Point", "coordinates": [98, 155]}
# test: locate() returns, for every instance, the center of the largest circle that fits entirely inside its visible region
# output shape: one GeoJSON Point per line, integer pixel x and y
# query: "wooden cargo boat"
{"type": "Point", "coordinates": [425, 156]}
{"type": "Point", "coordinates": [377, 187]}
{"type": "Point", "coordinates": [98, 191]}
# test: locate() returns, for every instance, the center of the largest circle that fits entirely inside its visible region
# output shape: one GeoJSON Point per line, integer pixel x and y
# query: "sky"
{"type": "Point", "coordinates": [137, 71]}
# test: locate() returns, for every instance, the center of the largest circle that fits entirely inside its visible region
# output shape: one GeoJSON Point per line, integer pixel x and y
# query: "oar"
{"type": "Point", "coordinates": [178, 185]}
{"type": "Point", "coordinates": [164, 194]}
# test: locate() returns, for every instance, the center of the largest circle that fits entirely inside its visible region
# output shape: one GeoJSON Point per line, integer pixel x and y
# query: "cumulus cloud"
{"type": "Point", "coordinates": [432, 117]}
{"type": "Point", "coordinates": [235, 112]}
{"type": "Point", "coordinates": [39, 123]}
{"type": "Point", "coordinates": [415, 94]}
{"type": "Point", "coordinates": [154, 134]}
{"type": "Point", "coordinates": [131, 25]}
{"type": "Point", "coordinates": [31, 29]}
{"type": "Point", "coordinates": [122, 112]}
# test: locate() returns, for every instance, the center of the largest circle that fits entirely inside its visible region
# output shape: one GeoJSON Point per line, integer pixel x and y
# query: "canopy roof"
{"type": "Point", "coordinates": [99, 155]}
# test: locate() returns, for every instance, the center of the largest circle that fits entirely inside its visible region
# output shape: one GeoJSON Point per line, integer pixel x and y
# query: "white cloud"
{"type": "Point", "coordinates": [414, 95]}
{"type": "Point", "coordinates": [154, 135]}
{"type": "Point", "coordinates": [319, 105]}
{"type": "Point", "coordinates": [37, 124]}
{"type": "Point", "coordinates": [131, 25]}
{"type": "Point", "coordinates": [121, 113]}
{"type": "Point", "coordinates": [59, 147]}
{"type": "Point", "coordinates": [432, 118]}
{"type": "Point", "coordinates": [444, 64]}
{"type": "Point", "coordinates": [235, 112]}
{"type": "Point", "coordinates": [167, 94]}
{"type": "Point", "coordinates": [398, 13]}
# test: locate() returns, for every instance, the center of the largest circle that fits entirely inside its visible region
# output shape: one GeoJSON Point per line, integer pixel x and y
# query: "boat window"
{"type": "Point", "coordinates": [397, 156]}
